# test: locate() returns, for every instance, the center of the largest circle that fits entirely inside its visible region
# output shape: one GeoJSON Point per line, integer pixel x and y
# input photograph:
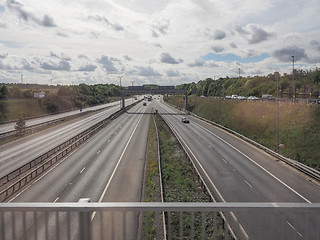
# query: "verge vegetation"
{"type": "Point", "coordinates": [21, 100]}
{"type": "Point", "coordinates": [299, 123]}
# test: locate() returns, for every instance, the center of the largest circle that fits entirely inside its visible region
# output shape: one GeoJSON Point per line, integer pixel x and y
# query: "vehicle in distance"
{"type": "Point", "coordinates": [144, 104]}
{"type": "Point", "coordinates": [234, 96]}
{"type": "Point", "coordinates": [242, 98]}
{"type": "Point", "coordinates": [149, 98]}
{"type": "Point", "coordinates": [253, 98]}
{"type": "Point", "coordinates": [267, 97]}
{"type": "Point", "coordinates": [185, 120]}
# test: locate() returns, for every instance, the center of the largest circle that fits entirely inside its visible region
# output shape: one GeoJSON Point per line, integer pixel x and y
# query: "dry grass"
{"type": "Point", "coordinates": [299, 123]}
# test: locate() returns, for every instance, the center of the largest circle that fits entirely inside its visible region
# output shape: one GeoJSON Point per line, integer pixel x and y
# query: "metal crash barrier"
{"type": "Point", "coordinates": [141, 220]}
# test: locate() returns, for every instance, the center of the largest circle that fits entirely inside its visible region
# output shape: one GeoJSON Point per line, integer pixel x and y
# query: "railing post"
{"type": "Point", "coordinates": [84, 222]}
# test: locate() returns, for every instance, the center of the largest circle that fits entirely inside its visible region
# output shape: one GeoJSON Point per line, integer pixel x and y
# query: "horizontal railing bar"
{"type": "Point", "coordinates": [157, 206]}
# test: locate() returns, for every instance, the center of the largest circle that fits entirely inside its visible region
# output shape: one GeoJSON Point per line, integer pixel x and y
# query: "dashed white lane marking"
{"type": "Point", "coordinates": [98, 152]}
{"type": "Point", "coordinates": [258, 165]}
{"type": "Point", "coordinates": [82, 169]}
{"type": "Point", "coordinates": [56, 199]}
{"type": "Point", "coordinates": [294, 229]}
{"type": "Point", "coordinates": [248, 184]}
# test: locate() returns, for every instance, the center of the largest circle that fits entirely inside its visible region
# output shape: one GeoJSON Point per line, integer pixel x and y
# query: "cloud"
{"type": "Point", "coordinates": [197, 63]}
{"type": "Point", "coordinates": [108, 64]}
{"type": "Point", "coordinates": [254, 34]}
{"type": "Point", "coordinates": [126, 57]}
{"type": "Point", "coordinates": [160, 28]}
{"type": "Point", "coordinates": [3, 55]}
{"type": "Point", "coordinates": [147, 71]}
{"type": "Point", "coordinates": [46, 21]}
{"type": "Point", "coordinates": [219, 34]}
{"type": "Point", "coordinates": [62, 65]}
{"type": "Point", "coordinates": [115, 26]}
{"type": "Point", "coordinates": [285, 54]}
{"type": "Point", "coordinates": [26, 65]}
{"type": "Point", "coordinates": [172, 73]}
{"type": "Point", "coordinates": [167, 58]}
{"type": "Point", "coordinates": [233, 45]}
{"type": "Point", "coordinates": [3, 25]}
{"type": "Point", "coordinates": [217, 49]}
{"type": "Point", "coordinates": [88, 68]}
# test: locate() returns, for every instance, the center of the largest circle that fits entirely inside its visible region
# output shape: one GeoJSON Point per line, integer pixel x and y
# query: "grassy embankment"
{"type": "Point", "coordinates": [299, 123]}
{"type": "Point", "coordinates": [180, 183]}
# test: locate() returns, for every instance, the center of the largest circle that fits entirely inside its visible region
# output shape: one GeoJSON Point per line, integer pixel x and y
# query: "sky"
{"type": "Point", "coordinates": [164, 42]}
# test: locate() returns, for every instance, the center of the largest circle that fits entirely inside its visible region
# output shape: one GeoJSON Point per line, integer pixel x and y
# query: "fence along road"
{"type": "Point", "coordinates": [243, 173]}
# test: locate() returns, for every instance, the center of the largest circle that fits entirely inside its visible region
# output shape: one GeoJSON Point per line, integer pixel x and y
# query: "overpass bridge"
{"type": "Point", "coordinates": [144, 90]}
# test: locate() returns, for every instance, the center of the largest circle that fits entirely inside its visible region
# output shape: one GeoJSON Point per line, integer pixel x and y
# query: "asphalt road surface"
{"type": "Point", "coordinates": [236, 171]}
{"type": "Point", "coordinates": [17, 153]}
{"type": "Point", "coordinates": [108, 168]}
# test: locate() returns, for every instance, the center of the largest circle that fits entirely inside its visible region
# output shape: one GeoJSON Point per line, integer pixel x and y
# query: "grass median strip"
{"type": "Point", "coordinates": [180, 184]}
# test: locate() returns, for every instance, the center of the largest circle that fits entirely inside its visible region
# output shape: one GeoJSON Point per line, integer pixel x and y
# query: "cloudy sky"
{"type": "Point", "coordinates": [166, 42]}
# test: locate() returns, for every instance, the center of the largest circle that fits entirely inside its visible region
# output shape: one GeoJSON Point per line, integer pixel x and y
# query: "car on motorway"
{"type": "Point", "coordinates": [228, 97]}
{"type": "Point", "coordinates": [242, 98]}
{"type": "Point", "coordinates": [144, 104]}
{"type": "Point", "coordinates": [185, 120]}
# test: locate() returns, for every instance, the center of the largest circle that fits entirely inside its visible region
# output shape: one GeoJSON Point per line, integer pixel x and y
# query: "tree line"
{"type": "Point", "coordinates": [57, 98]}
{"type": "Point", "coordinates": [301, 81]}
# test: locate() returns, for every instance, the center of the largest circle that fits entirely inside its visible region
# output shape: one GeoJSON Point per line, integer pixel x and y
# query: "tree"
{"type": "Point", "coordinates": [4, 92]}
{"type": "Point", "coordinates": [20, 126]}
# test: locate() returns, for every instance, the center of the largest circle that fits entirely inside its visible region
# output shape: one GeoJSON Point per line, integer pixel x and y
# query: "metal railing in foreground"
{"type": "Point", "coordinates": [132, 220]}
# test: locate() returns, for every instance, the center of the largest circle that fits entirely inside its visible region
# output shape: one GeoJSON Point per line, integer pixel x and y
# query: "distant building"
{"type": "Point", "coordinates": [39, 94]}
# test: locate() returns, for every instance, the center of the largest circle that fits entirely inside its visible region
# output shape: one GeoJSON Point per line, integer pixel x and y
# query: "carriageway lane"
{"type": "Point", "coordinates": [110, 167]}
{"type": "Point", "coordinates": [31, 122]}
{"type": "Point", "coordinates": [240, 172]}
{"type": "Point", "coordinates": [17, 153]}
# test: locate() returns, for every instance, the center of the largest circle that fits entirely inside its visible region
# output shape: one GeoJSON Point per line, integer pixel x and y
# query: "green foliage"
{"type": "Point", "coordinates": [257, 85]}
{"type": "Point", "coordinates": [3, 111]}
{"type": "Point", "coordinates": [20, 126]}
{"type": "Point", "coordinates": [4, 92]}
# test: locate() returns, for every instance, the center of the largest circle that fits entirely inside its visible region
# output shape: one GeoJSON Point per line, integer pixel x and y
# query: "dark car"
{"type": "Point", "coordinates": [185, 120]}
{"type": "Point", "coordinates": [144, 104]}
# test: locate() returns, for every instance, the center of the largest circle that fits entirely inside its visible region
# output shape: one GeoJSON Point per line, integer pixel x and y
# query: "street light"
{"type": "Point", "coordinates": [292, 68]}
{"type": "Point", "coordinates": [277, 77]}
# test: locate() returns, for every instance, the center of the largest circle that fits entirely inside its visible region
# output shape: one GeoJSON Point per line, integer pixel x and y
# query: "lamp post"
{"type": "Point", "coordinates": [21, 78]}
{"type": "Point", "coordinates": [292, 68]}
{"type": "Point", "coordinates": [120, 90]}
{"type": "Point", "coordinates": [277, 77]}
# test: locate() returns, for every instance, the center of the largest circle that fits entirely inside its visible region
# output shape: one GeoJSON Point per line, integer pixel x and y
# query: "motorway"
{"type": "Point", "coordinates": [108, 168]}
{"type": "Point", "coordinates": [236, 171]}
{"type": "Point", "coordinates": [17, 153]}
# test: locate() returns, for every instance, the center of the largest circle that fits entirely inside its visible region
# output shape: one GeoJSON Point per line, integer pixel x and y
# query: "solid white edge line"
{"type": "Point", "coordinates": [213, 185]}
{"type": "Point", "coordinates": [243, 154]}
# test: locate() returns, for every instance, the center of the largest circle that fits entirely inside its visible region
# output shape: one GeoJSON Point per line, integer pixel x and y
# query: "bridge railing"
{"type": "Point", "coordinates": [142, 220]}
